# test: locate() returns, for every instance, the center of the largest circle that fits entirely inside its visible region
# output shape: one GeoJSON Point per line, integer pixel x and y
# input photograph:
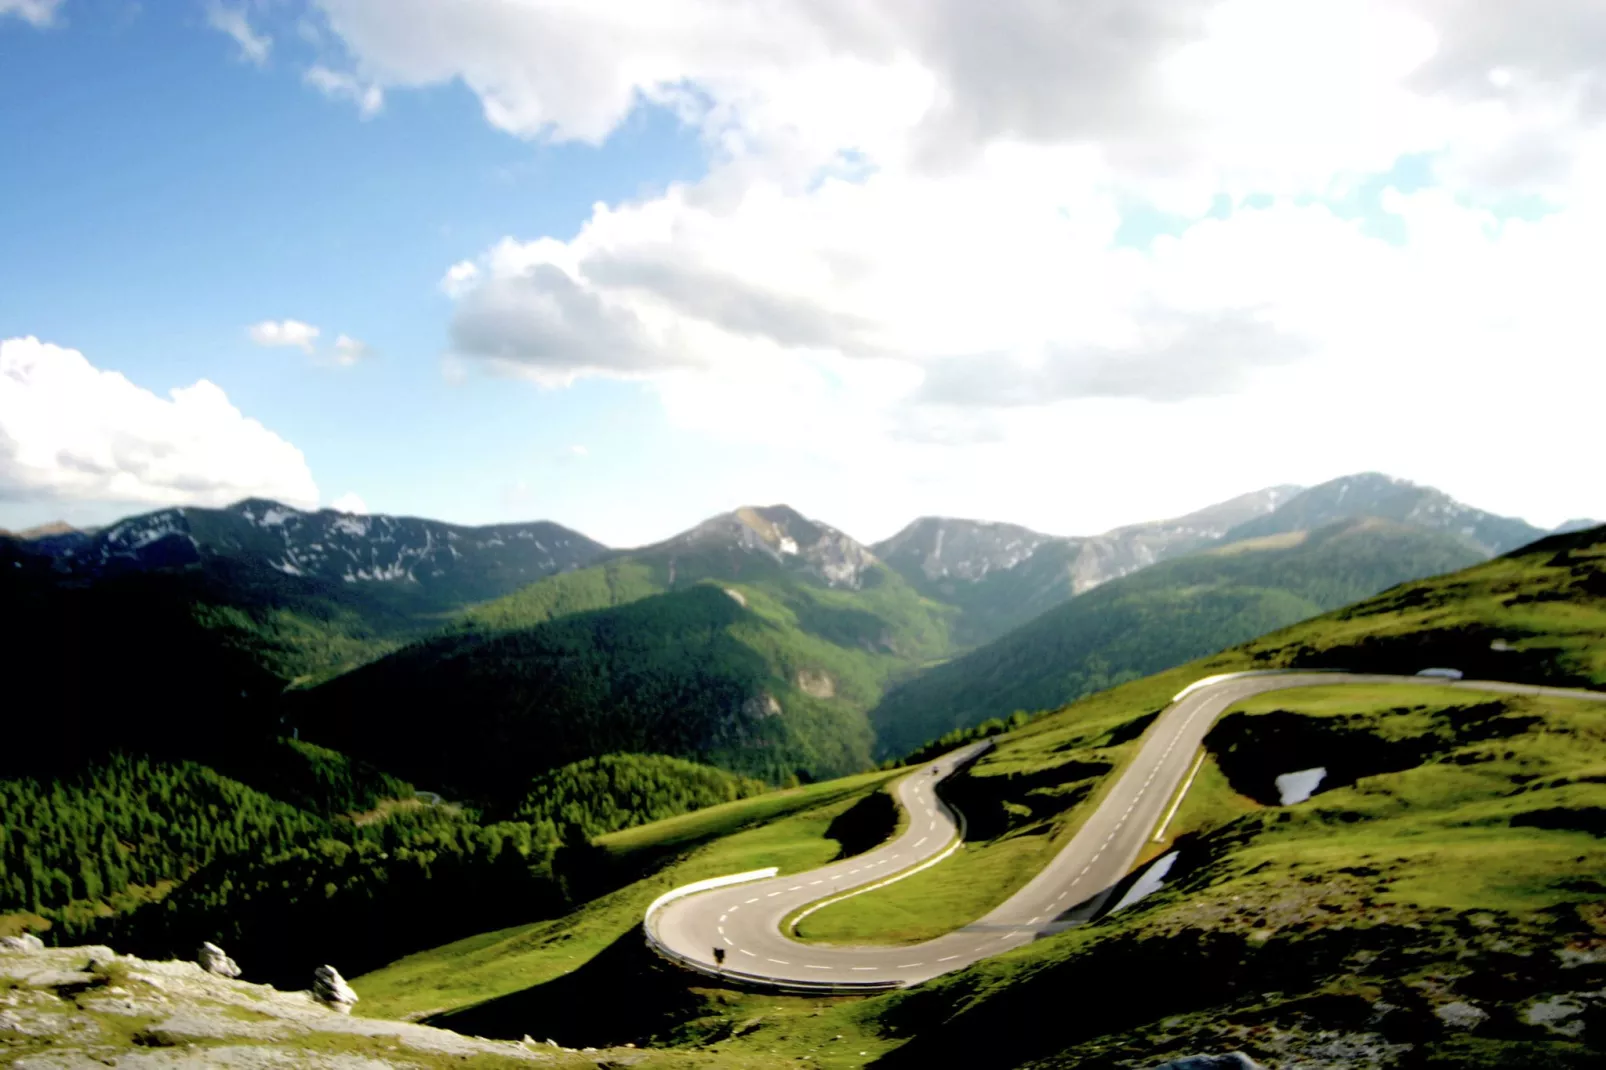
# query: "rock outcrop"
{"type": "Point", "coordinates": [25, 942]}
{"type": "Point", "coordinates": [212, 959]}
{"type": "Point", "coordinates": [1232, 1060]}
{"type": "Point", "coordinates": [89, 1006]}
{"type": "Point", "coordinates": [331, 989]}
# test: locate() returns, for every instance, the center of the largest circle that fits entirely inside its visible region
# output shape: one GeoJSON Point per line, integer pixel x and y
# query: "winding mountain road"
{"type": "Point", "coordinates": [744, 920]}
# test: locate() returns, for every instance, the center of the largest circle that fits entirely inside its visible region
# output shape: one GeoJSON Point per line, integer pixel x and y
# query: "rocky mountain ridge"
{"type": "Point", "coordinates": [777, 534]}
{"type": "Point", "coordinates": [444, 562]}
{"type": "Point", "coordinates": [1390, 498]}
{"type": "Point", "coordinates": [937, 549]}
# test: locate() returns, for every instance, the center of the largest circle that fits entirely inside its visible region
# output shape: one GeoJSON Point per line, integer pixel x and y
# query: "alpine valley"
{"type": "Point", "coordinates": [320, 734]}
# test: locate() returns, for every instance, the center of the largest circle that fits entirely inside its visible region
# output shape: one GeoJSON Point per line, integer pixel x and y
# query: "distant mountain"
{"type": "Point", "coordinates": [1375, 494]}
{"type": "Point", "coordinates": [1162, 616]}
{"type": "Point", "coordinates": [1570, 526]}
{"type": "Point", "coordinates": [183, 626]}
{"type": "Point", "coordinates": [1001, 575]}
{"type": "Point", "coordinates": [431, 564]}
{"type": "Point", "coordinates": [755, 641]}
{"type": "Point", "coordinates": [762, 537]}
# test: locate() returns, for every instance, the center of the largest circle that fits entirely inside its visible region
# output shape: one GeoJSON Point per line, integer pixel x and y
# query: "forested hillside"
{"type": "Point", "coordinates": [616, 791]}
{"type": "Point", "coordinates": [328, 858]}
{"type": "Point", "coordinates": [1160, 617]}
{"type": "Point", "coordinates": [770, 680]}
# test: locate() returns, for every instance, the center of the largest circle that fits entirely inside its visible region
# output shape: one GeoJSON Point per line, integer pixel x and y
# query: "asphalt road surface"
{"type": "Point", "coordinates": [745, 920]}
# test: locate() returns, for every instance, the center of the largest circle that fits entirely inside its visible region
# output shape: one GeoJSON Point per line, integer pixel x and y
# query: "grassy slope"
{"type": "Point", "coordinates": [782, 828]}
{"type": "Point", "coordinates": [1161, 616]}
{"type": "Point", "coordinates": [1447, 620]}
{"type": "Point", "coordinates": [1278, 928]}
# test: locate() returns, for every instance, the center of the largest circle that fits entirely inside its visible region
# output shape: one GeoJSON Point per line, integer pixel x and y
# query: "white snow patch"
{"type": "Point", "coordinates": [275, 517]}
{"type": "Point", "coordinates": [1149, 883]}
{"type": "Point", "coordinates": [351, 525]}
{"type": "Point", "coordinates": [788, 545]}
{"type": "Point", "coordinates": [287, 568]}
{"type": "Point", "coordinates": [1298, 786]}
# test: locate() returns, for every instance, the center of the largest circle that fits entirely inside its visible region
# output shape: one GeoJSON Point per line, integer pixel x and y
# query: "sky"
{"type": "Point", "coordinates": [624, 264]}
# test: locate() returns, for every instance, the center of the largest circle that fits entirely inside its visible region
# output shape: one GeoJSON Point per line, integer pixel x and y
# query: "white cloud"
{"type": "Point", "coordinates": [460, 278]}
{"type": "Point", "coordinates": [278, 333]}
{"type": "Point", "coordinates": [905, 251]}
{"type": "Point", "coordinates": [74, 433]}
{"type": "Point", "coordinates": [36, 12]}
{"type": "Point", "coordinates": [349, 502]}
{"type": "Point", "coordinates": [348, 350]}
{"type": "Point", "coordinates": [338, 85]}
{"type": "Point", "coordinates": [574, 453]}
{"type": "Point", "coordinates": [254, 47]}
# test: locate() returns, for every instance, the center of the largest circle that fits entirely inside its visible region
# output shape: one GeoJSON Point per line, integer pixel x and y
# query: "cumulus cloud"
{"type": "Point", "coordinates": [280, 333]}
{"type": "Point", "coordinates": [71, 432]}
{"type": "Point", "coordinates": [1176, 357]}
{"type": "Point", "coordinates": [254, 47]}
{"type": "Point", "coordinates": [349, 502]}
{"type": "Point", "coordinates": [932, 227]}
{"type": "Point", "coordinates": [348, 350]}
{"type": "Point", "coordinates": [340, 85]}
{"type": "Point", "coordinates": [537, 320]}
{"type": "Point", "coordinates": [36, 12]}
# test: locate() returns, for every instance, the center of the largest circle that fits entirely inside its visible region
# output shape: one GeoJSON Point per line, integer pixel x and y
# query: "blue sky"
{"type": "Point", "coordinates": [169, 205]}
{"type": "Point", "coordinates": [708, 337]}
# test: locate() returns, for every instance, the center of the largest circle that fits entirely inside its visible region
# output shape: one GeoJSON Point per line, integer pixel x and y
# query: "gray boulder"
{"type": "Point", "coordinates": [24, 942]}
{"type": "Point", "coordinates": [213, 960]}
{"type": "Point", "coordinates": [1232, 1060]}
{"type": "Point", "coordinates": [331, 989]}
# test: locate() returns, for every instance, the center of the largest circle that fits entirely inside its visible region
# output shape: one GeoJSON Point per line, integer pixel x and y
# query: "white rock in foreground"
{"type": "Point", "coordinates": [88, 1006]}
{"type": "Point", "coordinates": [331, 989]}
{"type": "Point", "coordinates": [212, 959]}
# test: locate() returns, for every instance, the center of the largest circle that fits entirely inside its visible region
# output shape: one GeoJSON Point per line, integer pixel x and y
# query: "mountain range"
{"type": "Point", "coordinates": [761, 640]}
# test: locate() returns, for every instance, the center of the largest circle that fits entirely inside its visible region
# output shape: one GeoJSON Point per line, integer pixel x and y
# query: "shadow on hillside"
{"type": "Point", "coordinates": [625, 994]}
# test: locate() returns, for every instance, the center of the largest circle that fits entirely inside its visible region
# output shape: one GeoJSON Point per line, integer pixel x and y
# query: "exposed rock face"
{"type": "Point", "coordinates": [331, 989]}
{"type": "Point", "coordinates": [25, 942]}
{"type": "Point", "coordinates": [1232, 1060]}
{"type": "Point", "coordinates": [212, 959]}
{"type": "Point", "coordinates": [817, 684]}
{"type": "Point", "coordinates": [940, 548]}
{"type": "Point", "coordinates": [68, 1007]}
{"type": "Point", "coordinates": [763, 704]}
{"type": "Point", "coordinates": [467, 562]}
{"type": "Point", "coordinates": [783, 536]}
{"type": "Point", "coordinates": [1376, 495]}
{"type": "Point", "coordinates": [1461, 1015]}
{"type": "Point", "coordinates": [1002, 575]}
